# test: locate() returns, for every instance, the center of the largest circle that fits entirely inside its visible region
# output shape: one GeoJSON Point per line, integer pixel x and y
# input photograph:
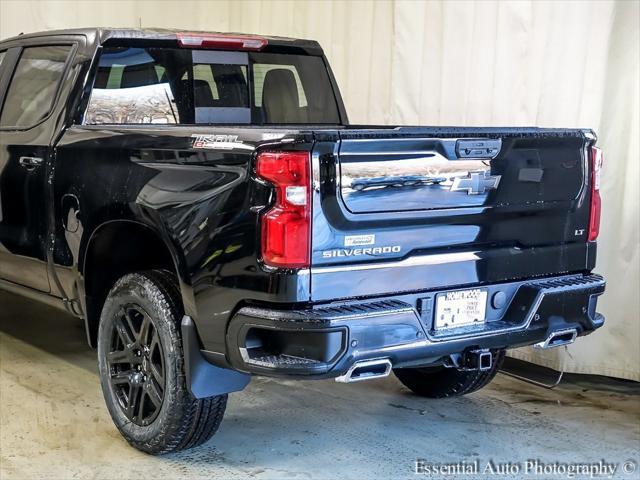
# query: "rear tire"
{"type": "Point", "coordinates": [442, 382]}
{"type": "Point", "coordinates": [141, 365]}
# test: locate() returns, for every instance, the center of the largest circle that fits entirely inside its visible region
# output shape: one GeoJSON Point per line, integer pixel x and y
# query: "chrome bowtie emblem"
{"type": "Point", "coordinates": [476, 183]}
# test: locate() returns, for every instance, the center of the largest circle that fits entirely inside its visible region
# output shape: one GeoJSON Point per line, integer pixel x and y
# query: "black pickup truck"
{"type": "Point", "coordinates": [202, 202]}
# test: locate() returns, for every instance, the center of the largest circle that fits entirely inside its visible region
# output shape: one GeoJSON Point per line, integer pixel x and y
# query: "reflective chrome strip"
{"type": "Point", "coordinates": [424, 153]}
{"type": "Point", "coordinates": [406, 139]}
{"type": "Point", "coordinates": [408, 262]}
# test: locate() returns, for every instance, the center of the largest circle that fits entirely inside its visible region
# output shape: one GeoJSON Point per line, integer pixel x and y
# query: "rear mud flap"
{"type": "Point", "coordinates": [204, 379]}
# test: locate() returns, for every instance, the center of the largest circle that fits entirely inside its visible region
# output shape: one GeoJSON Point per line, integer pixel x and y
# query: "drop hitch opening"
{"type": "Point", "coordinates": [480, 359]}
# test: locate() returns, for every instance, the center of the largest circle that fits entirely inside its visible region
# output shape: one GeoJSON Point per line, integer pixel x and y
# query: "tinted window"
{"type": "Point", "coordinates": [33, 86]}
{"type": "Point", "coordinates": [171, 85]}
{"type": "Point", "coordinates": [292, 89]}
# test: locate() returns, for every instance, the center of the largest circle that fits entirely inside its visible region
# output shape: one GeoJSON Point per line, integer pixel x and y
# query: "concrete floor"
{"type": "Point", "coordinates": [53, 423]}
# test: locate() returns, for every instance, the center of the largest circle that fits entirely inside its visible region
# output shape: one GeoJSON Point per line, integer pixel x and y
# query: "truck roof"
{"type": "Point", "coordinates": [102, 34]}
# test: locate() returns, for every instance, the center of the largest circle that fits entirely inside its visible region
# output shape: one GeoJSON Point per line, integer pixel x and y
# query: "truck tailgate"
{"type": "Point", "coordinates": [424, 208]}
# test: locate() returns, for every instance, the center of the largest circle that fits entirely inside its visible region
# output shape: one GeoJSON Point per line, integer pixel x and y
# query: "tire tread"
{"type": "Point", "coordinates": [192, 421]}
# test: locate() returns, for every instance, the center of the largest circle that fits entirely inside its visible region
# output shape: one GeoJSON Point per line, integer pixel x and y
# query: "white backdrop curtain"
{"type": "Point", "coordinates": [544, 63]}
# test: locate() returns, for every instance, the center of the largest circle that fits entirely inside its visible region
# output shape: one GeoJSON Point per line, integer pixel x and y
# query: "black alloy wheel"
{"type": "Point", "coordinates": [136, 365]}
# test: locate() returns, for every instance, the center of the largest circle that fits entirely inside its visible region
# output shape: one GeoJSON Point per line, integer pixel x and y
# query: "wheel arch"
{"type": "Point", "coordinates": [115, 248]}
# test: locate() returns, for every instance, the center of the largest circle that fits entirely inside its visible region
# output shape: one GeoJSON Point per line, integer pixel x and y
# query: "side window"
{"type": "Point", "coordinates": [2, 56]}
{"type": "Point", "coordinates": [131, 86]}
{"type": "Point", "coordinates": [34, 85]}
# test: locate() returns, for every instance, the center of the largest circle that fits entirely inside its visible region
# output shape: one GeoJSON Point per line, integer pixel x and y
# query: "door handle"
{"type": "Point", "coordinates": [30, 163]}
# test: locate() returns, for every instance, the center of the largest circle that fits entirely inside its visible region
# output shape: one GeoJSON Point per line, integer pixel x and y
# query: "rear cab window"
{"type": "Point", "coordinates": [34, 84]}
{"type": "Point", "coordinates": [149, 85]}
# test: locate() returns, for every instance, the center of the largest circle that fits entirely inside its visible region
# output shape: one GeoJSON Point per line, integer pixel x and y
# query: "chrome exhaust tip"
{"type": "Point", "coordinates": [558, 339]}
{"type": "Point", "coordinates": [366, 370]}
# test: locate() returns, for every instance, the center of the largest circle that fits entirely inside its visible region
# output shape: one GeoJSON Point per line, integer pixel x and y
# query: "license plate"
{"type": "Point", "coordinates": [460, 307]}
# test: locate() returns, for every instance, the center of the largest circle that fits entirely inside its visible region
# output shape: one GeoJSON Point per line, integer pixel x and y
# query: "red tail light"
{"type": "Point", "coordinates": [286, 227]}
{"type": "Point", "coordinates": [221, 41]}
{"type": "Point", "coordinates": [596, 201]}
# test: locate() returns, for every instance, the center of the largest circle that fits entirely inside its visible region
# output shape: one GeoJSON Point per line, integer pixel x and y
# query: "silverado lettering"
{"type": "Point", "coordinates": [354, 252]}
